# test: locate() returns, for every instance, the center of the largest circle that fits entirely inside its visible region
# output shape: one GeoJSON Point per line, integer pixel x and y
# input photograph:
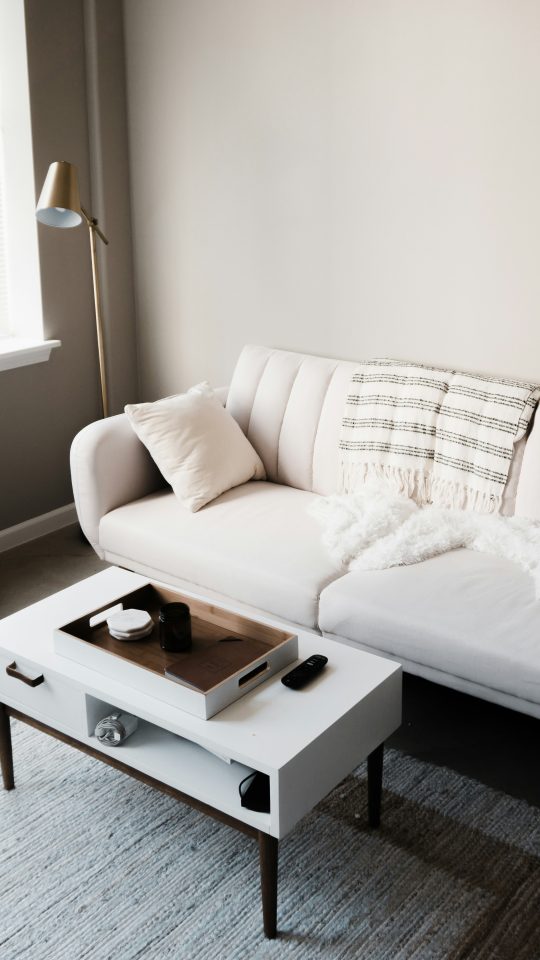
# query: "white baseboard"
{"type": "Point", "coordinates": [37, 527]}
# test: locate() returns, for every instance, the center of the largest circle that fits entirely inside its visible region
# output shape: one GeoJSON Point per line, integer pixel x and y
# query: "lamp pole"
{"type": "Point", "coordinates": [93, 229]}
{"type": "Point", "coordinates": [59, 205]}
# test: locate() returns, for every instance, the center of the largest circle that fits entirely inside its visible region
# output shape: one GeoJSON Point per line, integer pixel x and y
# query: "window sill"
{"type": "Point", "coordinates": [19, 352]}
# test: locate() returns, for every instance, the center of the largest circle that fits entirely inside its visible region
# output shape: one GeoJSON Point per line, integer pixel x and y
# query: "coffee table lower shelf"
{"type": "Point", "coordinates": [268, 845]}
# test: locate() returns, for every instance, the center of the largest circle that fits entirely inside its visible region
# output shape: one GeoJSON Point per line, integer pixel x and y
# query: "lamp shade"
{"type": "Point", "coordinates": [59, 204]}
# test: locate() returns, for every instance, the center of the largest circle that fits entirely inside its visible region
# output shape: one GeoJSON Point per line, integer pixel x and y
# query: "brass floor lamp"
{"type": "Point", "coordinates": [59, 205]}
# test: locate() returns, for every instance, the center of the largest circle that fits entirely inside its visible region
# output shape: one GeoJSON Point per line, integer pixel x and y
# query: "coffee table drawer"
{"type": "Point", "coordinates": [51, 698]}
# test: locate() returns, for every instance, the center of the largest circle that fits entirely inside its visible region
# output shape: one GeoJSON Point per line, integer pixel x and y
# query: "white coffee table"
{"type": "Point", "coordinates": [305, 741]}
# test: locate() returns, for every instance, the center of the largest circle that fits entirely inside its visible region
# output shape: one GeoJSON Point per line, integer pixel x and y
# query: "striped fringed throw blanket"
{"type": "Point", "coordinates": [434, 435]}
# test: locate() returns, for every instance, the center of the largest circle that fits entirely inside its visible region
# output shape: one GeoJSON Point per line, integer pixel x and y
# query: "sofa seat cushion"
{"type": "Point", "coordinates": [468, 614]}
{"type": "Point", "coordinates": [256, 543]}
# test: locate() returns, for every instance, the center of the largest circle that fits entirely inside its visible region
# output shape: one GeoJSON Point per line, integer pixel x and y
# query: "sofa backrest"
{"type": "Point", "coordinates": [290, 406]}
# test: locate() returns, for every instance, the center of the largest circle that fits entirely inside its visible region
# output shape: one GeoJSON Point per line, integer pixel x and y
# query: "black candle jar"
{"type": "Point", "coordinates": [175, 627]}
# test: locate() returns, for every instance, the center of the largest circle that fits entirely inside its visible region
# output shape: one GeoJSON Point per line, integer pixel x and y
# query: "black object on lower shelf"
{"type": "Point", "coordinates": [256, 795]}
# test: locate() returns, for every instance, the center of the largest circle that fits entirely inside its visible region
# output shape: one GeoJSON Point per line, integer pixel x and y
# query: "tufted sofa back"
{"type": "Point", "coordinates": [290, 405]}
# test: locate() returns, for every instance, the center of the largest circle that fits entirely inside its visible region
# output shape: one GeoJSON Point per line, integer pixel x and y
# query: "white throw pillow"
{"type": "Point", "coordinates": [199, 448]}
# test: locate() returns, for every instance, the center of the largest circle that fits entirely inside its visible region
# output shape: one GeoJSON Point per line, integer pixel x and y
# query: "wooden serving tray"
{"type": "Point", "coordinates": [143, 664]}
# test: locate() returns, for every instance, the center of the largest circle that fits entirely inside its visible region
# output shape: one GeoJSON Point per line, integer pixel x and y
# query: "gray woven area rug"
{"type": "Point", "coordinates": [95, 865]}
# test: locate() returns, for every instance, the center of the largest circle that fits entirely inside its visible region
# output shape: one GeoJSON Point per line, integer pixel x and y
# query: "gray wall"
{"type": "Point", "coordinates": [350, 178]}
{"type": "Point", "coordinates": [43, 406]}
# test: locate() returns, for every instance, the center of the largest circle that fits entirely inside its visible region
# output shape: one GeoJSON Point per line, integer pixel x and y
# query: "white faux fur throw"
{"type": "Point", "coordinates": [435, 435]}
{"type": "Point", "coordinates": [375, 529]}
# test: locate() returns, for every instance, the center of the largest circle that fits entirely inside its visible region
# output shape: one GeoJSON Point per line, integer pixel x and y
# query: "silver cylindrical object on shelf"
{"type": "Point", "coordinates": [116, 728]}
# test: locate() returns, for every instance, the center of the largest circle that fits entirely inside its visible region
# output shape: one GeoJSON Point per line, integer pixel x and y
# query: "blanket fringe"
{"type": "Point", "coordinates": [419, 485]}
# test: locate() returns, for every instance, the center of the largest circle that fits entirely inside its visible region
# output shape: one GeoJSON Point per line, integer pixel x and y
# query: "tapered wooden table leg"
{"type": "Point", "coordinates": [6, 752]}
{"type": "Point", "coordinates": [375, 775]}
{"type": "Point", "coordinates": [268, 859]}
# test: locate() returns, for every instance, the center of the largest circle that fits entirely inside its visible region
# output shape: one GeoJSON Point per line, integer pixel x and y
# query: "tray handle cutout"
{"type": "Point", "coordinates": [102, 615]}
{"type": "Point", "coordinates": [260, 668]}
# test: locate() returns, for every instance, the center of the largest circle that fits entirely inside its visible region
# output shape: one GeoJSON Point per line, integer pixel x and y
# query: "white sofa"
{"type": "Point", "coordinates": [466, 620]}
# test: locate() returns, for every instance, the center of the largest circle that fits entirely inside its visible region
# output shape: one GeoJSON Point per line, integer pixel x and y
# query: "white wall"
{"type": "Point", "coordinates": [344, 177]}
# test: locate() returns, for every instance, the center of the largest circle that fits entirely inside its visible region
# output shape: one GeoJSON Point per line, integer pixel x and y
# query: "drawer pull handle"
{"type": "Point", "coordinates": [12, 671]}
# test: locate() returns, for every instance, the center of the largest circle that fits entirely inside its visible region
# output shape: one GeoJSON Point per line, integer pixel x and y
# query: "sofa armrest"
{"type": "Point", "coordinates": [109, 467]}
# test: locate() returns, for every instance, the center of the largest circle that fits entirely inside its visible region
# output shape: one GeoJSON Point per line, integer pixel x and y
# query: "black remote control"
{"type": "Point", "coordinates": [305, 672]}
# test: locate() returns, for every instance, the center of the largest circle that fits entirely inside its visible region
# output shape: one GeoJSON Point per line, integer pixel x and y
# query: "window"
{"type": "Point", "coordinates": [21, 315]}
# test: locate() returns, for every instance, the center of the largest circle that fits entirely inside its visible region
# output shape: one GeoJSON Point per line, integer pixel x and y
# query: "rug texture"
{"type": "Point", "coordinates": [95, 865]}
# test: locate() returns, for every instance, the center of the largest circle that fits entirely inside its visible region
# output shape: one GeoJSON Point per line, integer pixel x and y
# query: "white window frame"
{"type": "Point", "coordinates": [25, 342]}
